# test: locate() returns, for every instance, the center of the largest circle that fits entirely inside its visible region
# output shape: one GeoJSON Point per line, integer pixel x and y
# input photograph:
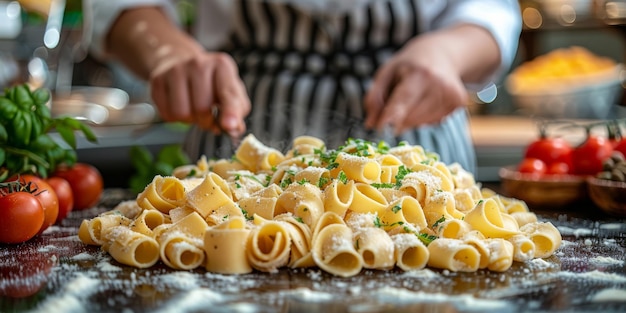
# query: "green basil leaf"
{"type": "Point", "coordinates": [7, 109]}
{"type": "Point", "coordinates": [173, 155]}
{"type": "Point", "coordinates": [67, 134]}
{"type": "Point", "coordinates": [4, 136]}
{"type": "Point", "coordinates": [88, 133]}
{"type": "Point", "coordinates": [23, 98]}
{"type": "Point", "coordinates": [163, 168]}
{"type": "Point", "coordinates": [21, 128]}
{"type": "Point", "coordinates": [41, 96]}
{"type": "Point", "coordinates": [141, 159]}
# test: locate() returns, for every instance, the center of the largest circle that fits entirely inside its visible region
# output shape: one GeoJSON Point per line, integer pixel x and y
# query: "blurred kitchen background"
{"type": "Point", "coordinates": [42, 42]}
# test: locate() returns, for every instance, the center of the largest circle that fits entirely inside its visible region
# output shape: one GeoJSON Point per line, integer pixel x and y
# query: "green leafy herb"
{"type": "Point", "coordinates": [396, 208]}
{"type": "Point", "coordinates": [25, 127]}
{"type": "Point", "coordinates": [439, 221]}
{"type": "Point", "coordinates": [343, 177]}
{"type": "Point", "coordinates": [383, 185]}
{"type": "Point", "coordinates": [147, 166]}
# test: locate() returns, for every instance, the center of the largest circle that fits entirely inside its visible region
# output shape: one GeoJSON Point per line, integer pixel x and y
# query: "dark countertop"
{"type": "Point", "coordinates": [55, 272]}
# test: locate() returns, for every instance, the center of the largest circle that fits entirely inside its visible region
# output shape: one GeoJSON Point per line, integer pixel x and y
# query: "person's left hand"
{"type": "Point", "coordinates": [419, 85]}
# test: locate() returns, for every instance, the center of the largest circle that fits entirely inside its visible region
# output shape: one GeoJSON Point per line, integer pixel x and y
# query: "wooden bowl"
{"type": "Point", "coordinates": [543, 191]}
{"type": "Point", "coordinates": [608, 195]}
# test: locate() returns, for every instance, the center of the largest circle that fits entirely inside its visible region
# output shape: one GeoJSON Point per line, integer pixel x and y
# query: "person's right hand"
{"type": "Point", "coordinates": [203, 88]}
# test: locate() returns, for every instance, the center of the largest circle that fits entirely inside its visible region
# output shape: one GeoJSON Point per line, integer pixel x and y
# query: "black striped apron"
{"type": "Point", "coordinates": [306, 74]}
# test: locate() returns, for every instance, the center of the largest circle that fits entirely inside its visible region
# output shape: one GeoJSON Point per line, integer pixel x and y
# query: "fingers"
{"type": "Point", "coordinates": [205, 90]}
{"type": "Point", "coordinates": [231, 97]}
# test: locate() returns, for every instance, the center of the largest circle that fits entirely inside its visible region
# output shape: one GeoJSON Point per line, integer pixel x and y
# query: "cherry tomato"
{"type": "Point", "coordinates": [558, 168]}
{"type": "Point", "coordinates": [86, 183]}
{"type": "Point", "coordinates": [21, 216]}
{"type": "Point", "coordinates": [532, 165]}
{"type": "Point", "coordinates": [550, 150]}
{"type": "Point", "coordinates": [591, 154]}
{"type": "Point", "coordinates": [45, 194]}
{"type": "Point", "coordinates": [64, 193]}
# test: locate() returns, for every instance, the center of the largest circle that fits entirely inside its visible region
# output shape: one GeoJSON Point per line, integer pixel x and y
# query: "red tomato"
{"type": "Point", "coordinates": [532, 165]}
{"type": "Point", "coordinates": [21, 216]}
{"type": "Point", "coordinates": [64, 193]}
{"type": "Point", "coordinates": [550, 150]}
{"type": "Point", "coordinates": [86, 184]}
{"type": "Point", "coordinates": [558, 168]}
{"type": "Point", "coordinates": [591, 154]}
{"type": "Point", "coordinates": [45, 194]}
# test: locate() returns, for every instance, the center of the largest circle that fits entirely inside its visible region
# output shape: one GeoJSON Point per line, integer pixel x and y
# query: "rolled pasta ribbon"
{"type": "Point", "coordinates": [179, 251]}
{"type": "Point", "coordinates": [461, 178]}
{"type": "Point", "coordinates": [438, 170]}
{"type": "Point", "coordinates": [261, 206]}
{"type": "Point", "coordinates": [334, 252]}
{"type": "Point", "coordinates": [477, 240]}
{"type": "Point", "coordinates": [523, 248]}
{"type": "Point", "coordinates": [409, 154]}
{"type": "Point", "coordinates": [127, 208]}
{"type": "Point", "coordinates": [402, 211]}
{"type": "Point", "coordinates": [524, 218]}
{"type": "Point", "coordinates": [389, 167]}
{"type": "Point", "coordinates": [463, 200]}
{"type": "Point", "coordinates": [318, 176]}
{"type": "Point", "coordinates": [441, 206]}
{"type": "Point", "coordinates": [358, 168]}
{"type": "Point", "coordinates": [192, 170]}
{"type": "Point", "coordinates": [163, 194]}
{"type": "Point", "coordinates": [300, 234]}
{"type": "Point", "coordinates": [211, 194]}
{"type": "Point", "coordinates": [225, 247]}
{"type": "Point", "coordinates": [131, 248]}
{"type": "Point", "coordinates": [147, 221]}
{"type": "Point", "coordinates": [338, 197]}
{"type": "Point", "coordinates": [256, 156]}
{"type": "Point", "coordinates": [410, 253]}
{"type": "Point", "coordinates": [367, 199]}
{"type": "Point", "coordinates": [305, 145]}
{"type": "Point", "coordinates": [93, 231]}
{"type": "Point", "coordinates": [179, 213]}
{"type": "Point", "coordinates": [227, 211]}
{"type": "Point", "coordinates": [375, 247]}
{"type": "Point", "coordinates": [392, 194]}
{"type": "Point", "coordinates": [487, 218]}
{"type": "Point", "coordinates": [500, 254]}
{"type": "Point", "coordinates": [244, 183]}
{"type": "Point", "coordinates": [453, 228]}
{"type": "Point", "coordinates": [545, 236]}
{"type": "Point", "coordinates": [454, 255]}
{"type": "Point", "coordinates": [328, 218]}
{"type": "Point", "coordinates": [303, 201]}
{"type": "Point", "coordinates": [222, 167]}
{"type": "Point", "coordinates": [268, 247]}
{"type": "Point", "coordinates": [271, 191]}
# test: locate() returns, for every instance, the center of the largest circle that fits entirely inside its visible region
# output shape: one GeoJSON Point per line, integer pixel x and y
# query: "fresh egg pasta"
{"type": "Point", "coordinates": [363, 205]}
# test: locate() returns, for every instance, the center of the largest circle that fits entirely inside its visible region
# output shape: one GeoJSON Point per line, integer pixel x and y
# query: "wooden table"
{"type": "Point", "coordinates": [55, 272]}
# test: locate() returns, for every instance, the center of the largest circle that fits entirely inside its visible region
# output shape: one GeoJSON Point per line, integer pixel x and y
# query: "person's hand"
{"type": "Point", "coordinates": [203, 88]}
{"type": "Point", "coordinates": [417, 86]}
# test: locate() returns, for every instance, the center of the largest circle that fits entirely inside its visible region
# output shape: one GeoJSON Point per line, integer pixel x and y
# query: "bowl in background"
{"type": "Point", "coordinates": [590, 97]}
{"type": "Point", "coordinates": [543, 191]}
{"type": "Point", "coordinates": [608, 195]}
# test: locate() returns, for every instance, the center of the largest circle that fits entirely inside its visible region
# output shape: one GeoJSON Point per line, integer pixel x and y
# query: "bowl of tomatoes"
{"type": "Point", "coordinates": [553, 170]}
{"type": "Point", "coordinates": [543, 190]}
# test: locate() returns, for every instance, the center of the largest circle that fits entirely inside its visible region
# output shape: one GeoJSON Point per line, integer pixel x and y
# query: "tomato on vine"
{"type": "Point", "coordinates": [532, 165]}
{"type": "Point", "coordinates": [589, 157]}
{"type": "Point", "coordinates": [550, 150]}
{"type": "Point", "coordinates": [21, 214]}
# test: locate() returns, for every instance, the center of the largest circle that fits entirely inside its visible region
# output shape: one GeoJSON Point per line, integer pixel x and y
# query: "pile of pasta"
{"type": "Point", "coordinates": [361, 206]}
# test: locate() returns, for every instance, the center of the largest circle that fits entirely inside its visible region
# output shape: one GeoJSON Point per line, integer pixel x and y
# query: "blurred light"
{"type": "Point", "coordinates": [532, 18]}
{"type": "Point", "coordinates": [488, 94]}
{"type": "Point", "coordinates": [13, 10]}
{"type": "Point", "coordinates": [568, 14]}
{"type": "Point", "coordinates": [51, 38]}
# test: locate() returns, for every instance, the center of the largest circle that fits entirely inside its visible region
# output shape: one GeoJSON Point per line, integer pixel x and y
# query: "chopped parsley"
{"type": "Point", "coordinates": [383, 185]}
{"type": "Point", "coordinates": [343, 177]}
{"type": "Point", "coordinates": [396, 208]}
{"type": "Point", "coordinates": [439, 221]}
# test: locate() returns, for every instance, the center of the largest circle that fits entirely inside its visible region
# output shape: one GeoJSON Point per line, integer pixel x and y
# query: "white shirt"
{"type": "Point", "coordinates": [500, 17]}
